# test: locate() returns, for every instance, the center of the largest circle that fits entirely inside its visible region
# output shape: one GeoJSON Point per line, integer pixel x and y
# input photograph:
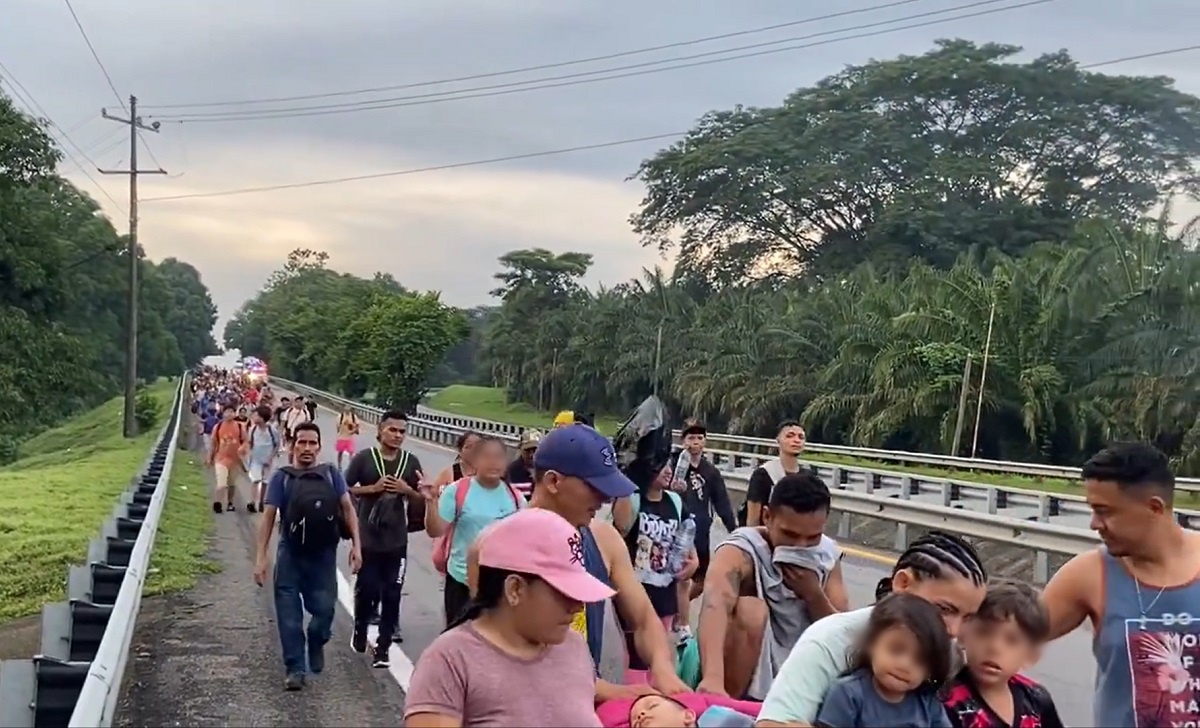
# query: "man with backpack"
{"type": "Point", "coordinates": [316, 513]}
{"type": "Point", "coordinates": [384, 482]}
{"type": "Point", "coordinates": [791, 438]}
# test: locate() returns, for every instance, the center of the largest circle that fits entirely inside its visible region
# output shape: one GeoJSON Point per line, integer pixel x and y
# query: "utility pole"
{"type": "Point", "coordinates": [987, 355]}
{"type": "Point", "coordinates": [962, 408]}
{"type": "Point", "coordinates": [131, 338]}
{"type": "Point", "coordinates": [657, 355]}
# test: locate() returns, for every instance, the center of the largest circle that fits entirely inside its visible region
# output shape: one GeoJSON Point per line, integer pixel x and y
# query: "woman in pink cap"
{"type": "Point", "coordinates": [512, 658]}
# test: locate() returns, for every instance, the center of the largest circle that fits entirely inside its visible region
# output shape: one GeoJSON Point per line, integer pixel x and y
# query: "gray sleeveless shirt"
{"type": "Point", "coordinates": [1147, 652]}
{"type": "Point", "coordinates": [788, 614]}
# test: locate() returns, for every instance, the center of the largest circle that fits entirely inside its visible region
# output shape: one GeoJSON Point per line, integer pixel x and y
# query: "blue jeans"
{"type": "Point", "coordinates": [304, 582]}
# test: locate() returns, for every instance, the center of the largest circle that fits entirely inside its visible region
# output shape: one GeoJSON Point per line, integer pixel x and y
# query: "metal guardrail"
{"type": "Point", "coordinates": [75, 679]}
{"type": "Point", "coordinates": [762, 446]}
{"type": "Point", "coordinates": [912, 500]}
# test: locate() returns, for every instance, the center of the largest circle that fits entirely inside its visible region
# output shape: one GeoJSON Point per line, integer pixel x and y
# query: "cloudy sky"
{"type": "Point", "coordinates": [445, 229]}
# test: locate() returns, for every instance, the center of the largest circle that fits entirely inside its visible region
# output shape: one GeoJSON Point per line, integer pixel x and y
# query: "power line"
{"type": "Point", "coordinates": [548, 153]}
{"type": "Point", "coordinates": [580, 78]}
{"type": "Point", "coordinates": [419, 170]}
{"type": "Point", "coordinates": [31, 104]}
{"type": "Point", "coordinates": [543, 66]}
{"type": "Point", "coordinates": [96, 56]}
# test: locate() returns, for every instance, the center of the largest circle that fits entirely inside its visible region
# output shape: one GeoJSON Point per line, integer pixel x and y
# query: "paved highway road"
{"type": "Point", "coordinates": [1067, 668]}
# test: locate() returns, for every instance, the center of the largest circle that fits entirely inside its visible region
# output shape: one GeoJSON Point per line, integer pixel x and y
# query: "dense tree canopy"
{"type": "Point", "coordinates": [63, 284]}
{"type": "Point", "coordinates": [340, 332]}
{"type": "Point", "coordinates": [840, 259]}
{"type": "Point", "coordinates": [917, 157]}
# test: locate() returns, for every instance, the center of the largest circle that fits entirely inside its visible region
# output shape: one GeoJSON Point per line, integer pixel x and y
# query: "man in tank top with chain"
{"type": "Point", "coordinates": [1140, 591]}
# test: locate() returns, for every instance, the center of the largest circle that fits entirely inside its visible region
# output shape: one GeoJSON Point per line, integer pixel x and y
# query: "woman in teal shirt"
{"type": "Point", "coordinates": [487, 499]}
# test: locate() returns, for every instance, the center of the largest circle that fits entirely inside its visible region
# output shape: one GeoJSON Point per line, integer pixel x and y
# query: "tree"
{"type": "Point", "coordinates": [63, 279]}
{"type": "Point", "coordinates": [1095, 337]}
{"type": "Point", "coordinates": [340, 332]}
{"type": "Point", "coordinates": [918, 157]}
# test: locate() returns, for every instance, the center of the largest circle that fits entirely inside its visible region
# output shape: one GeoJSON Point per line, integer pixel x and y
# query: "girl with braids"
{"type": "Point", "coordinates": [511, 658]}
{"type": "Point", "coordinates": [940, 568]}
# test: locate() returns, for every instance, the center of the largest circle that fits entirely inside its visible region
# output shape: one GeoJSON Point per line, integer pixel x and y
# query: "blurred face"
{"type": "Point", "coordinates": [257, 419]}
{"type": "Point", "coordinates": [467, 452]}
{"type": "Point", "coordinates": [791, 440]}
{"type": "Point", "coordinates": [392, 433]}
{"type": "Point", "coordinates": [786, 527]}
{"type": "Point", "coordinates": [663, 479]}
{"type": "Point", "coordinates": [490, 460]}
{"type": "Point", "coordinates": [896, 661]}
{"type": "Point", "coordinates": [297, 403]}
{"type": "Point", "coordinates": [569, 497]}
{"type": "Point", "coordinates": [996, 650]}
{"type": "Point", "coordinates": [955, 596]}
{"type": "Point", "coordinates": [227, 413]}
{"type": "Point", "coordinates": [1123, 517]}
{"type": "Point", "coordinates": [541, 613]}
{"type": "Point", "coordinates": [694, 443]}
{"type": "Point", "coordinates": [527, 454]}
{"type": "Point", "coordinates": [306, 447]}
{"type": "Point", "coordinates": [285, 402]}
{"type": "Point", "coordinates": [658, 711]}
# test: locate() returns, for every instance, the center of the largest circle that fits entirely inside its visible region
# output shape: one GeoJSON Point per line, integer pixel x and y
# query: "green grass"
{"type": "Point", "coordinates": [489, 403]}
{"type": "Point", "coordinates": [57, 495]}
{"type": "Point", "coordinates": [181, 548]}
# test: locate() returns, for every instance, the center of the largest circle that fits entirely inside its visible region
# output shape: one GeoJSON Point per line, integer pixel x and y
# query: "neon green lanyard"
{"type": "Point", "coordinates": [377, 456]}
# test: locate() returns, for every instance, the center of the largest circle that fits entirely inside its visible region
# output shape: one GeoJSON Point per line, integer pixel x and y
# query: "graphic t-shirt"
{"type": "Point", "coordinates": [1147, 652]}
{"type": "Point", "coordinates": [1032, 705]}
{"type": "Point", "coordinates": [649, 543]}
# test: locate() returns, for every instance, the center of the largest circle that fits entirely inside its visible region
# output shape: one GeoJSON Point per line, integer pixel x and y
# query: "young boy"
{"type": "Point", "coordinates": [1004, 637]}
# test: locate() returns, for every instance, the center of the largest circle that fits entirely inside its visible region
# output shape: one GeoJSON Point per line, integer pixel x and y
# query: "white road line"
{"type": "Point", "coordinates": [401, 668]}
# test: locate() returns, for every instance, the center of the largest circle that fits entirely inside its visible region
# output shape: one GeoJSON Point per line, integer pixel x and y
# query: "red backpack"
{"type": "Point", "coordinates": [441, 544]}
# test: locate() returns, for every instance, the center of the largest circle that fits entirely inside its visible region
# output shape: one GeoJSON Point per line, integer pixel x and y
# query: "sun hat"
{"type": "Point", "coordinates": [542, 543]}
{"type": "Point", "coordinates": [530, 438]}
{"type": "Point", "coordinates": [579, 451]}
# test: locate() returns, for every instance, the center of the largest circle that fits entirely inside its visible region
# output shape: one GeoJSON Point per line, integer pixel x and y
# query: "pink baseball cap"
{"type": "Point", "coordinates": [542, 543]}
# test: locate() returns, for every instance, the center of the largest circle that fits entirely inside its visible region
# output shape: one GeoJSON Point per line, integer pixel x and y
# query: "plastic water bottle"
{"type": "Point", "coordinates": [679, 477]}
{"type": "Point", "coordinates": [685, 537]}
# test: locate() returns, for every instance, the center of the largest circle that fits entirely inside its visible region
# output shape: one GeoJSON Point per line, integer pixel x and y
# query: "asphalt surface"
{"type": "Point", "coordinates": [211, 657]}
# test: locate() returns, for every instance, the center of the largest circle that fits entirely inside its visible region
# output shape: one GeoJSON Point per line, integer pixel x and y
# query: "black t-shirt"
{"type": "Point", "coordinates": [518, 472]}
{"type": "Point", "coordinates": [1032, 705]}
{"type": "Point", "coordinates": [364, 470]}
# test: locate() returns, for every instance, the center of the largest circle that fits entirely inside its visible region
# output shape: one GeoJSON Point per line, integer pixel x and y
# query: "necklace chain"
{"type": "Point", "coordinates": [1143, 608]}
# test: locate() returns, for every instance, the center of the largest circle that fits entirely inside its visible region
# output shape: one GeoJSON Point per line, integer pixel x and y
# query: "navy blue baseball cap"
{"type": "Point", "coordinates": [578, 451]}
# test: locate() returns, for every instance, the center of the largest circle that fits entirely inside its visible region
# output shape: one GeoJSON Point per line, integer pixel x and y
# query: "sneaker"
{"type": "Point", "coordinates": [216, 507]}
{"type": "Point", "coordinates": [229, 507]}
{"type": "Point", "coordinates": [358, 642]}
{"type": "Point", "coordinates": [250, 507]}
{"type": "Point", "coordinates": [293, 682]}
{"type": "Point", "coordinates": [379, 656]}
{"type": "Point", "coordinates": [316, 659]}
{"type": "Point", "coordinates": [397, 638]}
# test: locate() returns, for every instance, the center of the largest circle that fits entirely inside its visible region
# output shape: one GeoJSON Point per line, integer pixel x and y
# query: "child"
{"type": "Point", "coordinates": [688, 710]}
{"type": "Point", "coordinates": [905, 656]}
{"type": "Point", "coordinates": [1002, 638]}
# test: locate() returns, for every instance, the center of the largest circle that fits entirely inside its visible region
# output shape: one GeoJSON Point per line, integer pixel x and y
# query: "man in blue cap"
{"type": "Point", "coordinates": [575, 474]}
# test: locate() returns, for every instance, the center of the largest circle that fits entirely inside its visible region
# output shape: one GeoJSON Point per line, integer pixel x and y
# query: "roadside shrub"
{"type": "Point", "coordinates": [145, 410]}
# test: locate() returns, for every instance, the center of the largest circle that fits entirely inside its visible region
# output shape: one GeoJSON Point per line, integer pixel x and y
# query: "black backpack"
{"type": "Point", "coordinates": [312, 520]}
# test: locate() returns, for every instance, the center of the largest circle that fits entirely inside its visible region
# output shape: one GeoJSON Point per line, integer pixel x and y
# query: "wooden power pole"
{"type": "Point", "coordinates": [131, 337]}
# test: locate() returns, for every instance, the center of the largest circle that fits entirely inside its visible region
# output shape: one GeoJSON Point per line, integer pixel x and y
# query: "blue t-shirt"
{"type": "Point", "coordinates": [853, 702]}
{"type": "Point", "coordinates": [277, 489]}
{"type": "Point", "coordinates": [210, 422]}
{"type": "Point", "coordinates": [482, 507]}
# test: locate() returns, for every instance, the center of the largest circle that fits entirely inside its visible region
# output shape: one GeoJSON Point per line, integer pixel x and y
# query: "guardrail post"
{"type": "Point", "coordinates": [947, 494]}
{"type": "Point", "coordinates": [1041, 560]}
{"type": "Point", "coordinates": [906, 490]}
{"type": "Point", "coordinates": [993, 500]}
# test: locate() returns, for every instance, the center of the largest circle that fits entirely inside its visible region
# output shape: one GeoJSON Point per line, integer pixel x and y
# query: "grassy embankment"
{"type": "Point", "coordinates": [64, 486]}
{"type": "Point", "coordinates": [489, 403]}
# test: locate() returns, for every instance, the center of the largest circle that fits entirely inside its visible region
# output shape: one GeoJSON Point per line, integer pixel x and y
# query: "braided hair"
{"type": "Point", "coordinates": [932, 556]}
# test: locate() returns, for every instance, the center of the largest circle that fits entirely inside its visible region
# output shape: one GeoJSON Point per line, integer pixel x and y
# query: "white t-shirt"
{"type": "Point", "coordinates": [817, 660]}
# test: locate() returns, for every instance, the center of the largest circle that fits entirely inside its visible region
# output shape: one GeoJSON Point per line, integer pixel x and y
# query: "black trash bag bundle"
{"type": "Point", "coordinates": [643, 443]}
